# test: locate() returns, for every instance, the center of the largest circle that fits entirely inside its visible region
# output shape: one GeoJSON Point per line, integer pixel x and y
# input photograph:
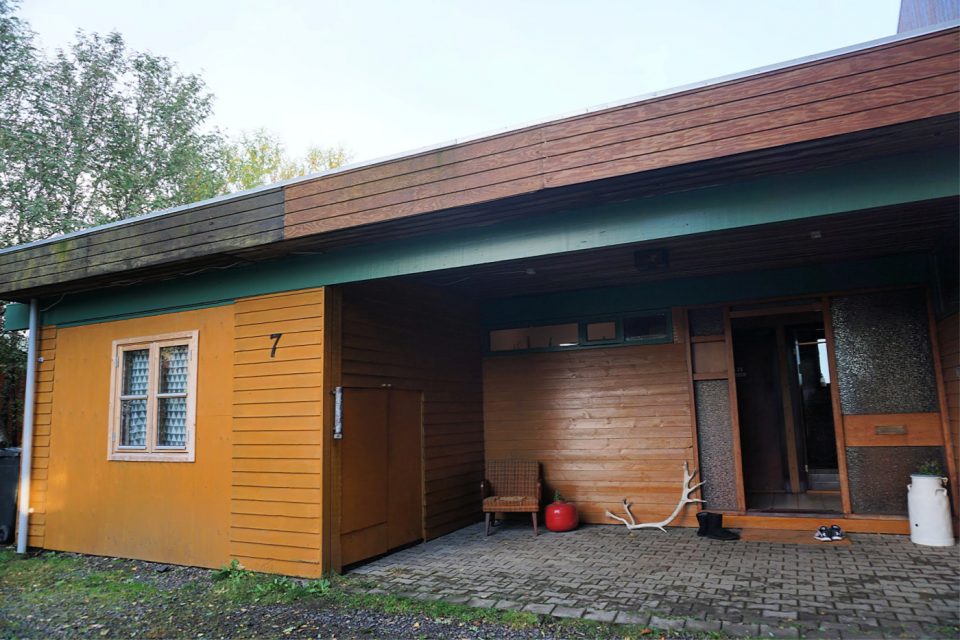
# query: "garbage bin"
{"type": "Point", "coordinates": [9, 481]}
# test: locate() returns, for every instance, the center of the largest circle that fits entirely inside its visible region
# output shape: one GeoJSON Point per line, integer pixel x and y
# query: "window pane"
{"type": "Point", "coordinates": [601, 331]}
{"type": "Point", "coordinates": [509, 340]}
{"type": "Point", "coordinates": [133, 423]}
{"type": "Point", "coordinates": [173, 369]}
{"type": "Point", "coordinates": [135, 372]}
{"type": "Point", "coordinates": [649, 327]}
{"type": "Point", "coordinates": [172, 422]}
{"type": "Point", "coordinates": [557, 335]}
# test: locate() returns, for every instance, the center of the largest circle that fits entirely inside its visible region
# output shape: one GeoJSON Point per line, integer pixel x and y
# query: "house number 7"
{"type": "Point", "coordinates": [276, 340]}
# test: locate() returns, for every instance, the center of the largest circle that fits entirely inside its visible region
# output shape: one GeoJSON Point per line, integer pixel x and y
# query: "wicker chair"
{"type": "Point", "coordinates": [511, 486]}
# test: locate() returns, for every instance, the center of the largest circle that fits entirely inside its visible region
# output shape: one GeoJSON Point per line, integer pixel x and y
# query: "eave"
{"type": "Point", "coordinates": [898, 95]}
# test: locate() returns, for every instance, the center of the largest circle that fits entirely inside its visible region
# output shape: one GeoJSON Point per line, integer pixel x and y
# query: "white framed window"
{"type": "Point", "coordinates": [153, 398]}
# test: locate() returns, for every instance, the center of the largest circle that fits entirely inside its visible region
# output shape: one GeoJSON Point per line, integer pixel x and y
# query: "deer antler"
{"type": "Point", "coordinates": [684, 499]}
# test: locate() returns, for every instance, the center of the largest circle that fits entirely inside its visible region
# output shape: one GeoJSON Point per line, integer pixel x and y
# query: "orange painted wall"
{"type": "Point", "coordinates": [176, 512]}
{"type": "Point", "coordinates": [276, 498]}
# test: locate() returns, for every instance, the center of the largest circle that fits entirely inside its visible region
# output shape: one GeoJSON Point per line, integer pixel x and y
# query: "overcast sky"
{"type": "Point", "coordinates": [384, 77]}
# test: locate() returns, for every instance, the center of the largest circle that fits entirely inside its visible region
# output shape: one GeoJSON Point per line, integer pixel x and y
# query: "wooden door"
{"type": "Point", "coordinates": [380, 472]}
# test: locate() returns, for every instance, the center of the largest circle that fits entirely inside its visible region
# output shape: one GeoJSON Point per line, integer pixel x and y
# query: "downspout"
{"type": "Point", "coordinates": [26, 454]}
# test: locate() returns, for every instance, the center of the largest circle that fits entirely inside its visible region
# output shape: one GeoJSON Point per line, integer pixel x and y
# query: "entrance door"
{"type": "Point", "coordinates": [381, 472]}
{"type": "Point", "coordinates": [787, 435]}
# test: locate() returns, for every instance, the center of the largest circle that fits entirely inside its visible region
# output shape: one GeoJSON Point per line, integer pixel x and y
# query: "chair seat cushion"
{"type": "Point", "coordinates": [510, 503]}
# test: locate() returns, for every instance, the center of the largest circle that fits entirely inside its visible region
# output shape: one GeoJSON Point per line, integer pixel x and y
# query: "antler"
{"type": "Point", "coordinates": [684, 499]}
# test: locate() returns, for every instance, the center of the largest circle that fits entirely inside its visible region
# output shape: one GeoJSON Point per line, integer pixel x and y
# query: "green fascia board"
{"type": "Point", "coordinates": [838, 189]}
{"type": "Point", "coordinates": [564, 306]}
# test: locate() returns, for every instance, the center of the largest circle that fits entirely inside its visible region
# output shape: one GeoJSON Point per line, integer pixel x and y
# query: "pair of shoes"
{"type": "Point", "coordinates": [832, 534]}
{"type": "Point", "coordinates": [711, 526]}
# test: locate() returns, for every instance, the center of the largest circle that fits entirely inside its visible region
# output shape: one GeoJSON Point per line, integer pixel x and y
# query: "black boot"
{"type": "Point", "coordinates": [704, 523]}
{"type": "Point", "coordinates": [715, 530]}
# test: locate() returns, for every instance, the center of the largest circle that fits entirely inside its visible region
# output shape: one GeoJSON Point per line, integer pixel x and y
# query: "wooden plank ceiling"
{"type": "Point", "coordinates": [898, 96]}
{"type": "Point", "coordinates": [921, 227]}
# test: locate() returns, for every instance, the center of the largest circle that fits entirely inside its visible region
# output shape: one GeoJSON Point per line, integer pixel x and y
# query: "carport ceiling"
{"type": "Point", "coordinates": [921, 227]}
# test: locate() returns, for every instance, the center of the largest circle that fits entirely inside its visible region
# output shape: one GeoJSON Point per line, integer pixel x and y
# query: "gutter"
{"type": "Point", "coordinates": [26, 454]}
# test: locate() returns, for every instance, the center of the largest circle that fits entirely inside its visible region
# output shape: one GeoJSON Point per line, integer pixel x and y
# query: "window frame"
{"type": "Point", "coordinates": [620, 340]}
{"type": "Point", "coordinates": [151, 451]}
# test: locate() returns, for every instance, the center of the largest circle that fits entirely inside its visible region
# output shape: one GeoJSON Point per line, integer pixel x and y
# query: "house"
{"type": "Point", "coordinates": [755, 275]}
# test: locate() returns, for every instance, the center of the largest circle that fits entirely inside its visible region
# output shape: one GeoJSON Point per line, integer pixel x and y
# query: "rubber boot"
{"type": "Point", "coordinates": [715, 530]}
{"type": "Point", "coordinates": [704, 523]}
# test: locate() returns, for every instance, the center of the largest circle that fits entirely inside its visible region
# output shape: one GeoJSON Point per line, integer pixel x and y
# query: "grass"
{"type": "Point", "coordinates": [57, 576]}
{"type": "Point", "coordinates": [55, 581]}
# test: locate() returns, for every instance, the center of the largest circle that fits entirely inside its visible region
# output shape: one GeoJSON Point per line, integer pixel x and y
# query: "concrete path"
{"type": "Point", "coordinates": [879, 586]}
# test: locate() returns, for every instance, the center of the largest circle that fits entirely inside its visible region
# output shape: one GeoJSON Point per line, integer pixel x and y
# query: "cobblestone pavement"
{"type": "Point", "coordinates": [880, 586]}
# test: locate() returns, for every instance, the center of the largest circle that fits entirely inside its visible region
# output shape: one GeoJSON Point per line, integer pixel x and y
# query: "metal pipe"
{"type": "Point", "coordinates": [26, 453]}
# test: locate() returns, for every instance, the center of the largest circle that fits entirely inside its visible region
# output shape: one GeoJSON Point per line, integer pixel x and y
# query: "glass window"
{"type": "Point", "coordinates": [601, 331]}
{"type": "Point", "coordinates": [646, 328]}
{"type": "Point", "coordinates": [546, 337]}
{"type": "Point", "coordinates": [154, 382]}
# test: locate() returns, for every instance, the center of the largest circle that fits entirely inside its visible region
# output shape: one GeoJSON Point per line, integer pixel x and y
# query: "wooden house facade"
{"type": "Point", "coordinates": [756, 276]}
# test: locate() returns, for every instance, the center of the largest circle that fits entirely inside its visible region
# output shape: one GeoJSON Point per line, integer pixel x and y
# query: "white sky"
{"type": "Point", "coordinates": [383, 77]}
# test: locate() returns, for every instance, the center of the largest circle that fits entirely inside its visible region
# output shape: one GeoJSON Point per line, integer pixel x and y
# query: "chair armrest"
{"type": "Point", "coordinates": [484, 489]}
{"type": "Point", "coordinates": [539, 491]}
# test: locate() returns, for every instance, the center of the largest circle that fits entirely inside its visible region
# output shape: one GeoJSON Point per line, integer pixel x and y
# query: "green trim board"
{"type": "Point", "coordinates": [840, 189]}
{"type": "Point", "coordinates": [899, 270]}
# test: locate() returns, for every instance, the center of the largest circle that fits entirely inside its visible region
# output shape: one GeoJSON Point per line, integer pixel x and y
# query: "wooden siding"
{"type": "Point", "coordinates": [948, 331]}
{"type": "Point", "coordinates": [276, 521]}
{"type": "Point", "coordinates": [175, 512]}
{"type": "Point", "coordinates": [219, 228]}
{"type": "Point", "coordinates": [885, 85]}
{"type": "Point", "coordinates": [605, 424]}
{"type": "Point", "coordinates": [415, 338]}
{"type": "Point", "coordinates": [42, 428]}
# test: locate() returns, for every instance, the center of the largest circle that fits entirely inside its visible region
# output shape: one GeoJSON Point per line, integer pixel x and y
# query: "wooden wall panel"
{"type": "Point", "coordinates": [276, 522]}
{"type": "Point", "coordinates": [605, 424]}
{"type": "Point", "coordinates": [948, 335]}
{"type": "Point", "coordinates": [42, 428]}
{"type": "Point", "coordinates": [172, 512]}
{"type": "Point", "coordinates": [884, 85]}
{"type": "Point", "coordinates": [416, 338]}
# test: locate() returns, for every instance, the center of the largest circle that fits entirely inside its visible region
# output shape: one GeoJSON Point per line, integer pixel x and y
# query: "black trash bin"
{"type": "Point", "coordinates": [9, 481]}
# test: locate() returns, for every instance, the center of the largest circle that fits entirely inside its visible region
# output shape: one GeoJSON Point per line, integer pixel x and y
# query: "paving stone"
{"type": "Point", "coordinates": [666, 623]}
{"type": "Point", "coordinates": [598, 615]}
{"type": "Point", "coordinates": [688, 581]}
{"type": "Point", "coordinates": [567, 612]}
{"type": "Point", "coordinates": [542, 609]}
{"type": "Point", "coordinates": [702, 626]}
{"type": "Point", "coordinates": [628, 617]}
{"type": "Point", "coordinates": [767, 631]}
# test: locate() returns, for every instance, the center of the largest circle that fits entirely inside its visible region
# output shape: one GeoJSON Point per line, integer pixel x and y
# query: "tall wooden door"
{"type": "Point", "coordinates": [381, 466]}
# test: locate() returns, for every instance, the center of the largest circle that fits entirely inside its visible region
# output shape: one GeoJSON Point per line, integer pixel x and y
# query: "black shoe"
{"type": "Point", "coordinates": [715, 529]}
{"type": "Point", "coordinates": [702, 518]}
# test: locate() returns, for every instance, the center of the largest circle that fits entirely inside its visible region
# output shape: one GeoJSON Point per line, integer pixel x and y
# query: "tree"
{"type": "Point", "coordinates": [256, 158]}
{"type": "Point", "coordinates": [97, 133]}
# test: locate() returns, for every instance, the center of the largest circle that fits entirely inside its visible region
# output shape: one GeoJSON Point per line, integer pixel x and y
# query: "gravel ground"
{"type": "Point", "coordinates": [76, 596]}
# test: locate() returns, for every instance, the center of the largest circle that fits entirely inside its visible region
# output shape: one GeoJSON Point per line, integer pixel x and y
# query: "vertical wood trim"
{"type": "Point", "coordinates": [734, 412]}
{"type": "Point", "coordinates": [788, 421]}
{"type": "Point", "coordinates": [942, 402]}
{"type": "Point", "coordinates": [683, 329]}
{"type": "Point", "coordinates": [837, 412]}
{"type": "Point", "coordinates": [332, 354]}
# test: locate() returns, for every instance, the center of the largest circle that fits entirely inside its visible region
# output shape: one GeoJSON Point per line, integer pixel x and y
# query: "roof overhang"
{"type": "Point", "coordinates": [889, 97]}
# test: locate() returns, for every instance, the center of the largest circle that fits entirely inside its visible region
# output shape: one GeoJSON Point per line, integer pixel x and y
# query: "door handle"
{"type": "Point", "coordinates": [338, 413]}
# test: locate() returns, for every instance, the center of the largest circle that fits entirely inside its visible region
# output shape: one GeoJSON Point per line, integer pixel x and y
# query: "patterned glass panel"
{"type": "Point", "coordinates": [133, 423]}
{"type": "Point", "coordinates": [715, 436]}
{"type": "Point", "coordinates": [135, 372]}
{"type": "Point", "coordinates": [173, 369]}
{"type": "Point", "coordinates": [172, 422]}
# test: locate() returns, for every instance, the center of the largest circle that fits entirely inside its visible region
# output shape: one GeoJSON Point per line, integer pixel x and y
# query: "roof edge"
{"type": "Point", "coordinates": [945, 26]}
